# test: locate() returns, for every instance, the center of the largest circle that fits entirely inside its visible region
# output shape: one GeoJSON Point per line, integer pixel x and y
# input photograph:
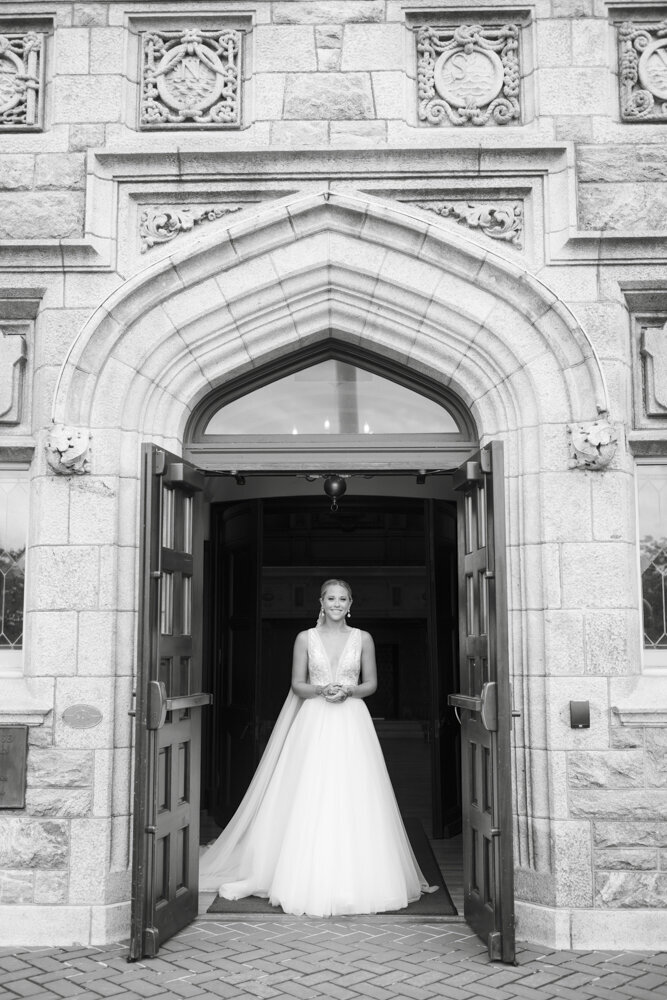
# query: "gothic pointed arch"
{"type": "Point", "coordinates": [331, 265]}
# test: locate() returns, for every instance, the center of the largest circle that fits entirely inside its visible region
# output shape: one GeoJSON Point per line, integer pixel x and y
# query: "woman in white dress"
{"type": "Point", "coordinates": [319, 831]}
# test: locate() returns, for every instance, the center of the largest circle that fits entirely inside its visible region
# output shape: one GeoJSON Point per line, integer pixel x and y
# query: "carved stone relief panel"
{"type": "Point", "coordinates": [21, 81]}
{"type": "Point", "coordinates": [643, 71]}
{"type": "Point", "coordinates": [13, 352]}
{"type": "Point", "coordinates": [500, 220]}
{"type": "Point", "coordinates": [469, 74]}
{"type": "Point", "coordinates": [653, 351]}
{"type": "Point", "coordinates": [161, 224]}
{"type": "Point", "coordinates": [191, 78]}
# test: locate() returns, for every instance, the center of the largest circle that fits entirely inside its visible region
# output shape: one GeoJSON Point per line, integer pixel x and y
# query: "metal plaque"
{"type": "Point", "coordinates": [13, 760]}
{"type": "Point", "coordinates": [82, 716]}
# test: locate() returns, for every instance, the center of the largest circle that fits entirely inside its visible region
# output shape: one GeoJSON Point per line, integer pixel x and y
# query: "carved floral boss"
{"type": "Point", "coordinates": [469, 75]}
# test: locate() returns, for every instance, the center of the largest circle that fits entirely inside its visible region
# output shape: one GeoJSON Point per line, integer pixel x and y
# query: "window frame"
{"type": "Point", "coordinates": [12, 659]}
{"type": "Point", "coordinates": [654, 662]}
{"type": "Point", "coordinates": [307, 451]}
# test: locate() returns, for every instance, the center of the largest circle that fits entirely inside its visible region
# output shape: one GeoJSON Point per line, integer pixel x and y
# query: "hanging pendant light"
{"type": "Point", "coordinates": [334, 487]}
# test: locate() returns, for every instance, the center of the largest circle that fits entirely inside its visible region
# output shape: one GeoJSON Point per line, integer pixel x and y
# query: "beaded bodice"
{"type": "Point", "coordinates": [349, 664]}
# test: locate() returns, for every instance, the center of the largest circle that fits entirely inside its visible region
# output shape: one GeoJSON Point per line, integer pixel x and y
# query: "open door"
{"type": "Point", "coordinates": [443, 647]}
{"type": "Point", "coordinates": [237, 539]}
{"type": "Point", "coordinates": [484, 702]}
{"type": "Point", "coordinates": [168, 704]}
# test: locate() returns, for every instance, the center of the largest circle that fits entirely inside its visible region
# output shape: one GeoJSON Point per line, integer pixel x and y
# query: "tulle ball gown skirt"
{"type": "Point", "coordinates": [327, 837]}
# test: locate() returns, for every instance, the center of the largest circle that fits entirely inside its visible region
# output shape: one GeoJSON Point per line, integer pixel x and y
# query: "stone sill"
{"type": "Point", "coordinates": [25, 701]}
{"type": "Point", "coordinates": [640, 701]}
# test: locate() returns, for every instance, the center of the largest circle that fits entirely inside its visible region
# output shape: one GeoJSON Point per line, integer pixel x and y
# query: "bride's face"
{"type": "Point", "coordinates": [336, 603]}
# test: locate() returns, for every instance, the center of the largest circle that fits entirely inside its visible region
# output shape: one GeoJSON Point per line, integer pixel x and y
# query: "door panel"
{"type": "Point", "coordinates": [443, 647]}
{"type": "Point", "coordinates": [237, 540]}
{"type": "Point", "coordinates": [169, 703]}
{"type": "Point", "coordinates": [484, 702]}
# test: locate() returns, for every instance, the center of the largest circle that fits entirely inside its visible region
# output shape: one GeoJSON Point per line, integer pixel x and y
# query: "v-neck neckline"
{"type": "Point", "coordinates": [342, 652]}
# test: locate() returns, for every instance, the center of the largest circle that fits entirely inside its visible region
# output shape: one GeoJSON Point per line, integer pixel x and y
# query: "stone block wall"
{"type": "Point", "coordinates": [35, 843]}
{"type": "Point", "coordinates": [321, 78]}
{"type": "Point", "coordinates": [622, 791]}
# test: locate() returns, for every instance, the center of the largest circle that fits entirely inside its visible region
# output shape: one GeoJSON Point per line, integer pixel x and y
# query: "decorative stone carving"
{"type": "Point", "coordinates": [12, 371]}
{"type": "Point", "coordinates": [592, 445]}
{"type": "Point", "coordinates": [21, 81]}
{"type": "Point", "coordinates": [499, 220]}
{"type": "Point", "coordinates": [654, 363]}
{"type": "Point", "coordinates": [191, 78]}
{"type": "Point", "coordinates": [68, 450]}
{"type": "Point", "coordinates": [468, 75]}
{"type": "Point", "coordinates": [160, 225]}
{"type": "Point", "coordinates": [643, 71]}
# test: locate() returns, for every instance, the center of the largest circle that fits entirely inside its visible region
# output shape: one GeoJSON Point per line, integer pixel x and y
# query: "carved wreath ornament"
{"type": "Point", "coordinates": [469, 75]}
{"type": "Point", "coordinates": [191, 78]}
{"type": "Point", "coordinates": [643, 71]}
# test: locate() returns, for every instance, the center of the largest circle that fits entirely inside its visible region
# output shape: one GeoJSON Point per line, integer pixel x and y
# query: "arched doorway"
{"type": "Point", "coordinates": [336, 266]}
{"type": "Point", "coordinates": [273, 537]}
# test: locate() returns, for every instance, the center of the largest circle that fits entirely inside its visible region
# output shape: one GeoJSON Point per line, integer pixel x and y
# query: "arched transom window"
{"type": "Point", "coordinates": [332, 397]}
{"type": "Point", "coordinates": [329, 407]}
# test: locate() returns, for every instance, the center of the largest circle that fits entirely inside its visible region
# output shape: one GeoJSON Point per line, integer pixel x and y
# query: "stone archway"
{"type": "Point", "coordinates": [295, 273]}
{"type": "Point", "coordinates": [306, 268]}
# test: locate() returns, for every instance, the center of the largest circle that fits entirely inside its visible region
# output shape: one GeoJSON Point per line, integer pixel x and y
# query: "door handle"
{"type": "Point", "coordinates": [156, 704]}
{"type": "Point", "coordinates": [486, 704]}
{"type": "Point", "coordinates": [189, 701]}
{"type": "Point", "coordinates": [465, 701]}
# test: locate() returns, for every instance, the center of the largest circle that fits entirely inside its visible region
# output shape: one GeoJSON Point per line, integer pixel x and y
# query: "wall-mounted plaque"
{"type": "Point", "coordinates": [82, 716]}
{"type": "Point", "coordinates": [13, 759]}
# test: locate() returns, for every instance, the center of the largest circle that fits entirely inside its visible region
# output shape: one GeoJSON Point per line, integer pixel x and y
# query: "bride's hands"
{"type": "Point", "coordinates": [336, 692]}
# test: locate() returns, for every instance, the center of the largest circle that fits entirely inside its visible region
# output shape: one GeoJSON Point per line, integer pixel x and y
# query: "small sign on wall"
{"type": "Point", "coordinates": [13, 760]}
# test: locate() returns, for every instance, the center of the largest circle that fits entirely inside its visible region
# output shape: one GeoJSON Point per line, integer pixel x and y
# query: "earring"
{"type": "Point", "coordinates": [320, 618]}
{"type": "Point", "coordinates": [349, 614]}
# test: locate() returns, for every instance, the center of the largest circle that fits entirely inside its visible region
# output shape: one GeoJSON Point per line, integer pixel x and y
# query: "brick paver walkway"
{"type": "Point", "coordinates": [338, 960]}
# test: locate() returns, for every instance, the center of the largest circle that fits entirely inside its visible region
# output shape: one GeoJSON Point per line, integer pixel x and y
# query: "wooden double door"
{"type": "Point", "coordinates": [463, 568]}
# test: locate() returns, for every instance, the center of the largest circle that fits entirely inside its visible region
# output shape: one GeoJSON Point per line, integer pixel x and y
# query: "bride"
{"type": "Point", "coordinates": [319, 831]}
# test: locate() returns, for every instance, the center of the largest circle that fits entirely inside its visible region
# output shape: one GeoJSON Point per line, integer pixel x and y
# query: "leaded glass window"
{"type": "Point", "coordinates": [13, 535]}
{"type": "Point", "coordinates": [652, 494]}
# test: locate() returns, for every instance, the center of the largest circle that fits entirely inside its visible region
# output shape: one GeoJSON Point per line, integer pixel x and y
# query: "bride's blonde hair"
{"type": "Point", "coordinates": [325, 586]}
{"type": "Point", "coordinates": [336, 583]}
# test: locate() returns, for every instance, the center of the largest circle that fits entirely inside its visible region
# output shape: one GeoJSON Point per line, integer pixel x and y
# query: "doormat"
{"type": "Point", "coordinates": [429, 904]}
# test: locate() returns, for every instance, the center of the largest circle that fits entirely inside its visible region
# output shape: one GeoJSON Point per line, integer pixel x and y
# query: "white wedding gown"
{"type": "Point", "coordinates": [319, 831]}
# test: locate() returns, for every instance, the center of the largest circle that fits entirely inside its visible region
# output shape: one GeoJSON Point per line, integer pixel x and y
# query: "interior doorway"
{"type": "Point", "coordinates": [268, 552]}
